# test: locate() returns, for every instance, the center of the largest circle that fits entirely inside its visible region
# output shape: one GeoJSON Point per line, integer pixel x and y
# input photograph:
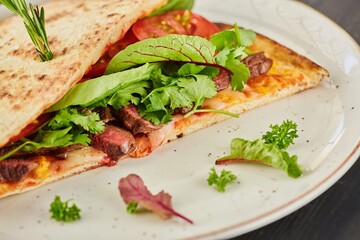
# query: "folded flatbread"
{"type": "Point", "coordinates": [79, 33]}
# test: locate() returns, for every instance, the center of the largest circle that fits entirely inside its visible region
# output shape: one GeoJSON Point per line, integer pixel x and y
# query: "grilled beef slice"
{"type": "Point", "coordinates": [132, 120]}
{"type": "Point", "coordinates": [258, 64]}
{"type": "Point", "coordinates": [114, 141]}
{"type": "Point", "coordinates": [15, 170]}
{"type": "Point", "coordinates": [222, 80]}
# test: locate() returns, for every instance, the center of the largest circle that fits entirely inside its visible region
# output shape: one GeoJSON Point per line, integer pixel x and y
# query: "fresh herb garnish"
{"type": "Point", "coordinates": [221, 181]}
{"type": "Point", "coordinates": [34, 23]}
{"type": "Point", "coordinates": [271, 152]}
{"type": "Point", "coordinates": [62, 212]}
{"type": "Point", "coordinates": [282, 135]}
{"type": "Point", "coordinates": [137, 196]}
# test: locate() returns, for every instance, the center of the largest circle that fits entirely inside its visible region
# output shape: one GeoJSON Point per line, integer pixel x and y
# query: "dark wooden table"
{"type": "Point", "coordinates": [335, 215]}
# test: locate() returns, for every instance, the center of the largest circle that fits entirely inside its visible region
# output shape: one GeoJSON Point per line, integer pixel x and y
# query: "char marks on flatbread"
{"type": "Point", "coordinates": [79, 33]}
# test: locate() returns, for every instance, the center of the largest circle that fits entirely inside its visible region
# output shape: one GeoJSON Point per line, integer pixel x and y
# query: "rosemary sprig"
{"type": "Point", "coordinates": [34, 23]}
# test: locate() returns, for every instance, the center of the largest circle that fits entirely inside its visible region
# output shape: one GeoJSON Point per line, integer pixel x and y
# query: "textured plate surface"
{"type": "Point", "coordinates": [328, 145]}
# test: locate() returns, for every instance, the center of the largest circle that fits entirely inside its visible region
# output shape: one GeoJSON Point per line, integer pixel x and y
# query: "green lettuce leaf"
{"type": "Point", "coordinates": [92, 91]}
{"type": "Point", "coordinates": [258, 152]}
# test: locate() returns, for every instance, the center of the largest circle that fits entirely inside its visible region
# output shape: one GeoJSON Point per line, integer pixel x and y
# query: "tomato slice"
{"type": "Point", "coordinates": [129, 38]}
{"type": "Point", "coordinates": [30, 128]}
{"type": "Point", "coordinates": [98, 69]}
{"type": "Point", "coordinates": [177, 22]}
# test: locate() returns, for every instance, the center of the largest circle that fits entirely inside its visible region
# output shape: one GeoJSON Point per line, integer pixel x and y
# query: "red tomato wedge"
{"type": "Point", "coordinates": [175, 22]}
{"type": "Point", "coordinates": [98, 69]}
{"type": "Point", "coordinates": [30, 128]}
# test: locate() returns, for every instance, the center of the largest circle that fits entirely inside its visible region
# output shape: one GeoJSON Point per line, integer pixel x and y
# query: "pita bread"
{"type": "Point", "coordinates": [79, 33]}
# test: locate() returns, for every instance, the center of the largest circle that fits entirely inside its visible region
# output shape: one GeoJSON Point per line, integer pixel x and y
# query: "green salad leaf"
{"type": "Point", "coordinates": [94, 90]}
{"type": "Point", "coordinates": [173, 47]}
{"type": "Point", "coordinates": [271, 152]}
{"type": "Point", "coordinates": [256, 151]}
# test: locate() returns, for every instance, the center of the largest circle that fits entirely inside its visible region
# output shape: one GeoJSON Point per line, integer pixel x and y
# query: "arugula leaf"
{"type": "Point", "coordinates": [69, 116]}
{"type": "Point", "coordinates": [282, 135]}
{"type": "Point", "coordinates": [221, 181]}
{"type": "Point", "coordinates": [172, 47]}
{"type": "Point", "coordinates": [62, 212]}
{"type": "Point", "coordinates": [174, 5]}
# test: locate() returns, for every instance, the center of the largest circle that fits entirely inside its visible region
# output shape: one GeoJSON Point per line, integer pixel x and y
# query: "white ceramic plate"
{"type": "Point", "coordinates": [327, 117]}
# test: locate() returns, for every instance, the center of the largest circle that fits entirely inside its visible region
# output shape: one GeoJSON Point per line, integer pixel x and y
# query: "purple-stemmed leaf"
{"type": "Point", "coordinates": [132, 189]}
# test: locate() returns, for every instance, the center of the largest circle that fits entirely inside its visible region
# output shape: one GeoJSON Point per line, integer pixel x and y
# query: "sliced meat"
{"type": "Point", "coordinates": [115, 142]}
{"type": "Point", "coordinates": [132, 120]}
{"type": "Point", "coordinates": [12, 171]}
{"type": "Point", "coordinates": [258, 64]}
{"type": "Point", "coordinates": [222, 80]}
{"type": "Point", "coordinates": [106, 114]}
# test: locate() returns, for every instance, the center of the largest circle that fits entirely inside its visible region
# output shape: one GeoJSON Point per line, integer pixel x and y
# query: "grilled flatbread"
{"type": "Point", "coordinates": [289, 74]}
{"type": "Point", "coordinates": [79, 33]}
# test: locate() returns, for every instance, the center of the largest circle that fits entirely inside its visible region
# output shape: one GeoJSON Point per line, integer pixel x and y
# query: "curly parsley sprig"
{"type": "Point", "coordinates": [282, 135]}
{"type": "Point", "coordinates": [35, 25]}
{"type": "Point", "coordinates": [62, 212]}
{"type": "Point", "coordinates": [222, 180]}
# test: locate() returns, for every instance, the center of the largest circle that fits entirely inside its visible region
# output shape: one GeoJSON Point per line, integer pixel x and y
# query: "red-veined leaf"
{"type": "Point", "coordinates": [133, 189]}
